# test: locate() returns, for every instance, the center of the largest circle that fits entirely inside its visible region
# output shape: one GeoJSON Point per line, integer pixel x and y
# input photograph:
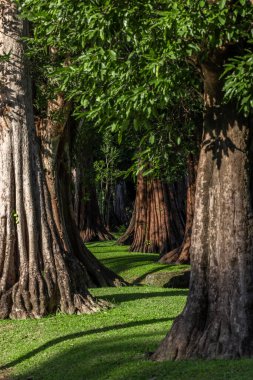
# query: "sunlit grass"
{"type": "Point", "coordinates": [110, 345]}
{"type": "Point", "coordinates": [132, 266]}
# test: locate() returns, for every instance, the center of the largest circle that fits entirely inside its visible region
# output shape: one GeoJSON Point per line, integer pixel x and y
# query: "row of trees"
{"type": "Point", "coordinates": [145, 71]}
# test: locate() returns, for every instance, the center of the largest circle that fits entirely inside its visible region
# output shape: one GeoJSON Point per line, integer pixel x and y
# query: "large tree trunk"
{"type": "Point", "coordinates": [38, 275]}
{"type": "Point", "coordinates": [217, 319]}
{"type": "Point", "coordinates": [55, 137]}
{"type": "Point", "coordinates": [99, 274]}
{"type": "Point", "coordinates": [181, 255]}
{"type": "Point", "coordinates": [155, 229]}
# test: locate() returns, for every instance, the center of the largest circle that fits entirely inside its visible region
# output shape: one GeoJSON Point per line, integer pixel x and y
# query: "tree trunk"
{"type": "Point", "coordinates": [38, 275]}
{"type": "Point", "coordinates": [99, 274]}
{"type": "Point", "coordinates": [181, 255]}
{"type": "Point", "coordinates": [120, 202]}
{"type": "Point", "coordinates": [155, 228]}
{"type": "Point", "coordinates": [55, 137]}
{"type": "Point", "coordinates": [87, 213]}
{"type": "Point", "coordinates": [128, 237]}
{"type": "Point", "coordinates": [217, 319]}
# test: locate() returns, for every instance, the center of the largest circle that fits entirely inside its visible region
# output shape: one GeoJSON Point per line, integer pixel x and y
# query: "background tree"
{"type": "Point", "coordinates": [86, 207]}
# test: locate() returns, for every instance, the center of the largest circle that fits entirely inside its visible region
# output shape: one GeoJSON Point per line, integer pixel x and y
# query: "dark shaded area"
{"type": "Point", "coordinates": [220, 147]}
{"type": "Point", "coordinates": [180, 281]}
{"type": "Point", "coordinates": [123, 263]}
{"type": "Point", "coordinates": [118, 298]}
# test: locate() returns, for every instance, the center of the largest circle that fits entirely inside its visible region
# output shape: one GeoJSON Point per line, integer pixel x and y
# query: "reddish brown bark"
{"type": "Point", "coordinates": [87, 213]}
{"type": "Point", "coordinates": [181, 255]}
{"type": "Point", "coordinates": [156, 228]}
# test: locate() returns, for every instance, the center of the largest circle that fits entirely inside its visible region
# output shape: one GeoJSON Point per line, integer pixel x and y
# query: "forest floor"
{"type": "Point", "coordinates": [110, 345]}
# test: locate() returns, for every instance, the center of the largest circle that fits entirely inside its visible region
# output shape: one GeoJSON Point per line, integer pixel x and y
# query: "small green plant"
{"type": "Point", "coordinates": [5, 57]}
{"type": "Point", "coordinates": [121, 229]}
{"type": "Point", "coordinates": [15, 216]}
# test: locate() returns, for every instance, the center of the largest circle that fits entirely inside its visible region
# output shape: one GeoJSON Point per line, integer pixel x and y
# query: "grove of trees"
{"type": "Point", "coordinates": [136, 116]}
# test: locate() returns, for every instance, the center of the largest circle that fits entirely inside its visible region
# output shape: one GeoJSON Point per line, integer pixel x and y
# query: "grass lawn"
{"type": "Point", "coordinates": [132, 266]}
{"type": "Point", "coordinates": [109, 345]}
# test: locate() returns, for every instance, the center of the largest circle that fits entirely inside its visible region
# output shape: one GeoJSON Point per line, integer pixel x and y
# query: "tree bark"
{"type": "Point", "coordinates": [181, 255]}
{"type": "Point", "coordinates": [54, 137]}
{"type": "Point", "coordinates": [155, 228]}
{"type": "Point", "coordinates": [217, 319]}
{"type": "Point", "coordinates": [87, 213]}
{"type": "Point", "coordinates": [128, 237]}
{"type": "Point", "coordinates": [38, 275]}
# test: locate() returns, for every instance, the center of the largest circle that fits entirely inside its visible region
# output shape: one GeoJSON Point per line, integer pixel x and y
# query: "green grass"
{"type": "Point", "coordinates": [109, 345]}
{"type": "Point", "coordinates": [132, 266]}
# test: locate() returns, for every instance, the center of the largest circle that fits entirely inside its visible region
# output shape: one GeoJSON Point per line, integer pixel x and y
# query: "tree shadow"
{"type": "Point", "coordinates": [119, 264]}
{"type": "Point", "coordinates": [119, 298]}
{"type": "Point", "coordinates": [141, 278]}
{"type": "Point", "coordinates": [80, 334]}
{"type": "Point", "coordinates": [116, 358]}
{"type": "Point", "coordinates": [218, 142]}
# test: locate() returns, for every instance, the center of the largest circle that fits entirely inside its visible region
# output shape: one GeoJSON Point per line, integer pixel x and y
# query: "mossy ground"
{"type": "Point", "coordinates": [111, 345]}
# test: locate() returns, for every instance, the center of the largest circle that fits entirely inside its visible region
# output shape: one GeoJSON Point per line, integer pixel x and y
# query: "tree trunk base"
{"type": "Point", "coordinates": [126, 239]}
{"type": "Point", "coordinates": [19, 303]}
{"type": "Point", "coordinates": [217, 340]}
{"type": "Point", "coordinates": [89, 236]}
{"type": "Point", "coordinates": [180, 255]}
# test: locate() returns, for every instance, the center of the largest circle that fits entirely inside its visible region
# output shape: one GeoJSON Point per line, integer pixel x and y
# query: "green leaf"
{"type": "Point", "coordinates": [152, 139]}
{"type": "Point", "coordinates": [112, 54]}
{"type": "Point", "coordinates": [222, 20]}
{"type": "Point", "coordinates": [222, 4]}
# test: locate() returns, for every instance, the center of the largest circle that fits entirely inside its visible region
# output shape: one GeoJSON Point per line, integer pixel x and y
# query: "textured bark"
{"type": "Point", "coordinates": [217, 319]}
{"type": "Point", "coordinates": [38, 275]}
{"type": "Point", "coordinates": [128, 237]}
{"type": "Point", "coordinates": [181, 255]}
{"type": "Point", "coordinates": [87, 213]}
{"type": "Point", "coordinates": [156, 228]}
{"type": "Point", "coordinates": [55, 137]}
{"type": "Point", "coordinates": [99, 274]}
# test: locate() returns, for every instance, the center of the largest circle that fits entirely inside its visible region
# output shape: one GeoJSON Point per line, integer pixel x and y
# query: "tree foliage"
{"type": "Point", "coordinates": [134, 65]}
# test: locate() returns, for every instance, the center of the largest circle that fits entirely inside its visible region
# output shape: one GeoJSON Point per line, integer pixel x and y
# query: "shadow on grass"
{"type": "Point", "coordinates": [80, 334]}
{"type": "Point", "coordinates": [119, 298]}
{"type": "Point", "coordinates": [118, 358]}
{"type": "Point", "coordinates": [108, 245]}
{"type": "Point", "coordinates": [119, 264]}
